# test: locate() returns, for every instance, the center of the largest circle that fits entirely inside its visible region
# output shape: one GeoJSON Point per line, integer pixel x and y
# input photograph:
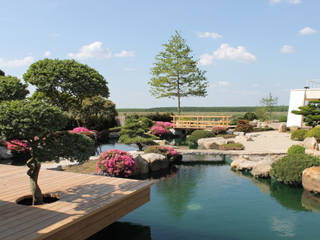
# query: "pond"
{"type": "Point", "coordinates": [213, 202]}
{"type": "Point", "coordinates": [119, 146]}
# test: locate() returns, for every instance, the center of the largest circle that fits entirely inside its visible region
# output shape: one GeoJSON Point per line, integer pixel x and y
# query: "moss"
{"type": "Point", "coordinates": [231, 146]}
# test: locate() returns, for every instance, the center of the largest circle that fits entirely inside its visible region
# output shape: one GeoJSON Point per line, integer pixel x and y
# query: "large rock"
{"type": "Point", "coordinates": [242, 164]}
{"type": "Point", "coordinates": [161, 142]}
{"type": "Point", "coordinates": [311, 179]}
{"type": "Point", "coordinates": [211, 143]}
{"type": "Point", "coordinates": [4, 153]}
{"type": "Point", "coordinates": [282, 127]}
{"type": "Point", "coordinates": [262, 168]}
{"type": "Point", "coordinates": [310, 143]}
{"type": "Point", "coordinates": [156, 162]}
{"type": "Point", "coordinates": [142, 167]}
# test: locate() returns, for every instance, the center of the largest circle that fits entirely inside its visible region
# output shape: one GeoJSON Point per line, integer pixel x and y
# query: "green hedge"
{"type": "Point", "coordinates": [289, 169]}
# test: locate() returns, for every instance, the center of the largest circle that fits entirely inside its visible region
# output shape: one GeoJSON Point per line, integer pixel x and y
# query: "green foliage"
{"type": "Point", "coordinates": [269, 102]}
{"type": "Point", "coordinates": [250, 116]}
{"type": "Point", "coordinates": [98, 113]}
{"type": "Point", "coordinates": [162, 117]}
{"type": "Point", "coordinates": [231, 146]}
{"type": "Point", "coordinates": [11, 88]}
{"type": "Point", "coordinates": [226, 136]}
{"type": "Point", "coordinates": [314, 132]}
{"type": "Point", "coordinates": [289, 169]}
{"type": "Point", "coordinates": [135, 132]}
{"type": "Point", "coordinates": [175, 72]}
{"type": "Point", "coordinates": [243, 126]}
{"type": "Point", "coordinates": [2, 73]}
{"type": "Point", "coordinates": [263, 129]}
{"type": "Point", "coordinates": [296, 149]}
{"type": "Point", "coordinates": [197, 134]}
{"type": "Point", "coordinates": [283, 119]}
{"type": "Point", "coordinates": [299, 134]}
{"type": "Point", "coordinates": [261, 113]}
{"type": "Point", "coordinates": [310, 113]}
{"type": "Point", "coordinates": [66, 83]}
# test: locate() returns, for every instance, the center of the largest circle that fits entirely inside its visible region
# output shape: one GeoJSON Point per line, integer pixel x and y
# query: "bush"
{"type": "Point", "coordinates": [163, 117]}
{"type": "Point", "coordinates": [197, 134]}
{"type": "Point", "coordinates": [168, 152]}
{"type": "Point", "coordinates": [243, 126]}
{"type": "Point", "coordinates": [314, 132]}
{"type": "Point", "coordinates": [161, 129]}
{"type": "Point", "coordinates": [250, 116]}
{"type": "Point", "coordinates": [262, 129]}
{"type": "Point", "coordinates": [115, 163]}
{"type": "Point", "coordinates": [283, 119]}
{"type": "Point", "coordinates": [219, 130]}
{"type": "Point", "coordinates": [289, 169]}
{"type": "Point", "coordinates": [296, 149]}
{"type": "Point", "coordinates": [299, 135]}
{"type": "Point", "coordinates": [231, 146]}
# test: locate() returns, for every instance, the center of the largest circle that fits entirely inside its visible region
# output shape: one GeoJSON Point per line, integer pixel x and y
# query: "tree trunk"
{"type": "Point", "coordinates": [179, 110]}
{"type": "Point", "coordinates": [33, 173]}
{"type": "Point", "coordinates": [140, 146]}
{"type": "Point", "coordinates": [178, 94]}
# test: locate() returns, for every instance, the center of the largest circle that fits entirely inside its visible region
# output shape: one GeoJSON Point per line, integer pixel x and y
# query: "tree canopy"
{"type": "Point", "coordinates": [310, 112]}
{"type": "Point", "coordinates": [11, 88]}
{"type": "Point", "coordinates": [175, 72]}
{"type": "Point", "coordinates": [37, 124]}
{"type": "Point", "coordinates": [66, 83]}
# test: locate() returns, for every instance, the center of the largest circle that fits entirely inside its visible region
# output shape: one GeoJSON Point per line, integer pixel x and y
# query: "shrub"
{"type": "Point", "coordinates": [103, 136]}
{"type": "Point", "coordinates": [314, 132]}
{"type": "Point", "coordinates": [197, 134]}
{"type": "Point", "coordinates": [296, 149]}
{"type": "Point", "coordinates": [168, 152]}
{"type": "Point", "coordinates": [262, 129]}
{"type": "Point", "coordinates": [243, 126]}
{"type": "Point", "coordinates": [231, 146]}
{"type": "Point", "coordinates": [283, 119]}
{"type": "Point", "coordinates": [115, 163]}
{"type": "Point", "coordinates": [250, 116]}
{"type": "Point", "coordinates": [161, 129]}
{"type": "Point", "coordinates": [299, 135]}
{"type": "Point", "coordinates": [289, 169]}
{"type": "Point", "coordinates": [163, 117]}
{"type": "Point", "coordinates": [219, 130]}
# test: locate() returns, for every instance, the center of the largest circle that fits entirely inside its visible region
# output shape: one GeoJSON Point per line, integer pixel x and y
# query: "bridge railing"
{"type": "Point", "coordinates": [200, 122]}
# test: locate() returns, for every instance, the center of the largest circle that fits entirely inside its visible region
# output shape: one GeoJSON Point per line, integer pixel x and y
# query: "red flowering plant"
{"type": "Point", "coordinates": [84, 131]}
{"type": "Point", "coordinates": [169, 152]}
{"type": "Point", "coordinates": [161, 129]}
{"type": "Point", "coordinates": [116, 163]}
{"type": "Point", "coordinates": [17, 145]}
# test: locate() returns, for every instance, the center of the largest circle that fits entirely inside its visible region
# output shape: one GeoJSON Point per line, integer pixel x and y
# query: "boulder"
{"type": "Point", "coordinates": [242, 164]}
{"type": "Point", "coordinates": [142, 167]}
{"type": "Point", "coordinates": [156, 162]}
{"type": "Point", "coordinates": [239, 133]}
{"type": "Point", "coordinates": [261, 125]}
{"type": "Point", "coordinates": [310, 143]}
{"type": "Point", "coordinates": [254, 123]}
{"type": "Point", "coordinates": [262, 168]}
{"type": "Point", "coordinates": [161, 142]}
{"type": "Point", "coordinates": [211, 143]}
{"type": "Point", "coordinates": [4, 153]}
{"type": "Point", "coordinates": [311, 179]}
{"type": "Point", "coordinates": [93, 158]}
{"type": "Point", "coordinates": [282, 127]}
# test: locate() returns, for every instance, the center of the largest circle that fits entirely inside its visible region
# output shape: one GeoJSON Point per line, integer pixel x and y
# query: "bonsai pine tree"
{"type": "Point", "coordinates": [37, 124]}
{"type": "Point", "coordinates": [135, 132]}
{"type": "Point", "coordinates": [11, 88]}
{"type": "Point", "coordinates": [310, 112]}
{"type": "Point", "coordinates": [176, 74]}
{"type": "Point", "coordinates": [66, 83]}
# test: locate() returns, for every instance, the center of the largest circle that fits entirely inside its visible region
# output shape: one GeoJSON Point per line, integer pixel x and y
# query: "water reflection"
{"type": "Point", "coordinates": [178, 191]}
{"type": "Point", "coordinates": [310, 201]}
{"type": "Point", "coordinates": [123, 230]}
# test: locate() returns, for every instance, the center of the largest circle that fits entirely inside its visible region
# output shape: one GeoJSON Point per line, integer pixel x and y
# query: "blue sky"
{"type": "Point", "coordinates": [247, 47]}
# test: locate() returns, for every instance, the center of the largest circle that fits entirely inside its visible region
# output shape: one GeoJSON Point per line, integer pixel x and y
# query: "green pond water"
{"type": "Point", "coordinates": [213, 202]}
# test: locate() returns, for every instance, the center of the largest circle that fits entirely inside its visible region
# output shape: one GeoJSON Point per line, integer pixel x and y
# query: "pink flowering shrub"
{"type": "Point", "coordinates": [80, 130]}
{"type": "Point", "coordinates": [17, 145]}
{"type": "Point", "coordinates": [116, 163]}
{"type": "Point", "coordinates": [219, 130]}
{"type": "Point", "coordinates": [84, 131]}
{"type": "Point", "coordinates": [161, 128]}
{"type": "Point", "coordinates": [169, 152]}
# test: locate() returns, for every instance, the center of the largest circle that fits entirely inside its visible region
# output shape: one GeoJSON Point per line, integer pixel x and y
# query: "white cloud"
{"type": "Point", "coordinates": [92, 50]}
{"type": "Point", "coordinates": [128, 69]}
{"type": "Point", "coordinates": [125, 53]}
{"type": "Point", "coordinates": [47, 54]}
{"type": "Point", "coordinates": [288, 1]}
{"type": "Point", "coordinates": [16, 62]}
{"type": "Point", "coordinates": [223, 83]}
{"type": "Point", "coordinates": [209, 35]}
{"type": "Point", "coordinates": [307, 31]}
{"type": "Point", "coordinates": [287, 49]}
{"type": "Point", "coordinates": [227, 52]}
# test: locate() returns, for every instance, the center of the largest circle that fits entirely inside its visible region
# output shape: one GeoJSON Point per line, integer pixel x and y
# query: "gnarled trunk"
{"type": "Point", "coordinates": [33, 172]}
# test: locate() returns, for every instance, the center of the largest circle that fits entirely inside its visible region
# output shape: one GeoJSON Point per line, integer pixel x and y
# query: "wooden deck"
{"type": "Point", "coordinates": [87, 204]}
{"type": "Point", "coordinates": [200, 121]}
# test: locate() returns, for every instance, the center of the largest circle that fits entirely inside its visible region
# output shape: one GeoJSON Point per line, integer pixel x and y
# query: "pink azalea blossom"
{"type": "Point", "coordinates": [161, 128]}
{"type": "Point", "coordinates": [17, 145]}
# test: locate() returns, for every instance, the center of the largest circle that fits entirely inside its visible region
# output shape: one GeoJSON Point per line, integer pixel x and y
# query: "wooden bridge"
{"type": "Point", "coordinates": [200, 121]}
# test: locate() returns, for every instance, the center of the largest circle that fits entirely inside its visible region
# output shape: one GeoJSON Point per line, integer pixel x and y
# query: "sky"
{"type": "Point", "coordinates": [248, 47]}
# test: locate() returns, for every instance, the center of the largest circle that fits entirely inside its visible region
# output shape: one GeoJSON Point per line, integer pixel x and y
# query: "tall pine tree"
{"type": "Point", "coordinates": [175, 72]}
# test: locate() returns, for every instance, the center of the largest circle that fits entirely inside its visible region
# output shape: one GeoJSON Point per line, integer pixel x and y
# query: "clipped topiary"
{"type": "Point", "coordinates": [197, 134]}
{"type": "Point", "coordinates": [299, 134]}
{"type": "Point", "coordinates": [289, 168]}
{"type": "Point", "coordinates": [314, 132]}
{"type": "Point", "coordinates": [296, 149]}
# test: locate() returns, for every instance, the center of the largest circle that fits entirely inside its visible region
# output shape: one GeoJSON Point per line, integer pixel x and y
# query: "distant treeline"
{"type": "Point", "coordinates": [202, 109]}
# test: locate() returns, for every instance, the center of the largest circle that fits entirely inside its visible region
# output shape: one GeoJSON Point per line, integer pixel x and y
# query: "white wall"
{"type": "Point", "coordinates": [297, 99]}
